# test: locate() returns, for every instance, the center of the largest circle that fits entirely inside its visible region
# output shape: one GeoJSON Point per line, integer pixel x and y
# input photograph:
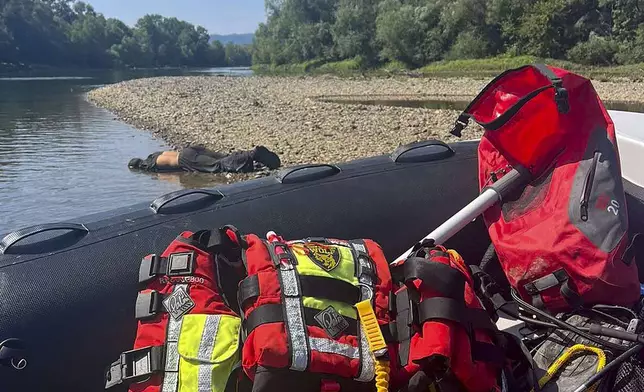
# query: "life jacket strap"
{"type": "Point", "coordinates": [311, 286]}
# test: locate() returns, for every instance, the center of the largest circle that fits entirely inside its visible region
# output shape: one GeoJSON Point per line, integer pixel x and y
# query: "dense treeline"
{"type": "Point", "coordinates": [416, 32]}
{"type": "Point", "coordinates": [71, 33]}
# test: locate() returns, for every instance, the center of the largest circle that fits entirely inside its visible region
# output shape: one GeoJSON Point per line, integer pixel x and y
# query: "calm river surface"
{"type": "Point", "coordinates": [61, 157]}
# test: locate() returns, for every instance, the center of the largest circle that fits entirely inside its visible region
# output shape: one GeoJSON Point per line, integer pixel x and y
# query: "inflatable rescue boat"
{"type": "Point", "coordinates": [67, 290]}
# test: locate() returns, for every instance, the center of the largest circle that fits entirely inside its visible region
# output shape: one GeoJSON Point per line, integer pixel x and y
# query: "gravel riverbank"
{"type": "Point", "coordinates": [292, 115]}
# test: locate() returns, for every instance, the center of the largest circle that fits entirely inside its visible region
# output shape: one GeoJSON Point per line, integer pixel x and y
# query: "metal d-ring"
{"type": "Point", "coordinates": [21, 364]}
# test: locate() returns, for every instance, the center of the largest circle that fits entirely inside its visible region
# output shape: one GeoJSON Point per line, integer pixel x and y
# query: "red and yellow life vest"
{"type": "Point", "coordinates": [188, 336]}
{"type": "Point", "coordinates": [298, 303]}
{"type": "Point", "coordinates": [442, 328]}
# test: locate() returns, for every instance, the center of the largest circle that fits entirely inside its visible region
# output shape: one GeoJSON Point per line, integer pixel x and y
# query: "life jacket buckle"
{"type": "Point", "coordinates": [135, 366]}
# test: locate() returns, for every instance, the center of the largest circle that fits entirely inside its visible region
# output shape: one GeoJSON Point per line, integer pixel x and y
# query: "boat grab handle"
{"type": "Point", "coordinates": [307, 173]}
{"type": "Point", "coordinates": [12, 238]}
{"type": "Point", "coordinates": [170, 197]}
{"type": "Point", "coordinates": [410, 152]}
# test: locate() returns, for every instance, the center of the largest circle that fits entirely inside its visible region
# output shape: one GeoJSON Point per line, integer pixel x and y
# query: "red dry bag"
{"type": "Point", "coordinates": [562, 240]}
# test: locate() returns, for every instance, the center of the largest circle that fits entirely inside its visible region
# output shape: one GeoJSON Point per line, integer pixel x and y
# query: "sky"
{"type": "Point", "coordinates": [218, 16]}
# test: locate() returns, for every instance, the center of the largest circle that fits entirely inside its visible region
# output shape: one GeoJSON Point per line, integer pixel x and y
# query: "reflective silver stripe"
{"type": "Point", "coordinates": [367, 361]}
{"type": "Point", "coordinates": [367, 368]}
{"type": "Point", "coordinates": [208, 338]}
{"type": "Point", "coordinates": [330, 346]}
{"type": "Point", "coordinates": [170, 382]}
{"type": "Point", "coordinates": [297, 332]}
{"type": "Point", "coordinates": [172, 357]}
{"type": "Point", "coordinates": [171, 375]}
{"type": "Point", "coordinates": [365, 265]}
{"type": "Point", "coordinates": [289, 282]}
{"type": "Point", "coordinates": [294, 318]}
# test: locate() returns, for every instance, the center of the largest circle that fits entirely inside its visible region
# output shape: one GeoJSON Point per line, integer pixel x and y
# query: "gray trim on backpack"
{"type": "Point", "coordinates": [606, 222]}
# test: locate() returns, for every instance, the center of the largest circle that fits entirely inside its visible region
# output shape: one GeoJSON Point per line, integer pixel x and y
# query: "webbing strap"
{"type": "Point", "coordinates": [561, 99]}
{"type": "Point", "coordinates": [311, 286]}
{"type": "Point", "coordinates": [448, 281]}
{"type": "Point", "coordinates": [171, 369]}
{"type": "Point", "coordinates": [404, 322]}
{"type": "Point", "coordinates": [273, 313]}
{"type": "Point", "coordinates": [292, 301]}
{"type": "Point", "coordinates": [366, 274]}
{"type": "Point", "coordinates": [558, 277]}
{"type": "Point", "coordinates": [546, 282]}
{"type": "Point", "coordinates": [453, 310]}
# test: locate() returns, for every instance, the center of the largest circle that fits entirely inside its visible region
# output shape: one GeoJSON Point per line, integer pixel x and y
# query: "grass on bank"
{"type": "Point", "coordinates": [472, 68]}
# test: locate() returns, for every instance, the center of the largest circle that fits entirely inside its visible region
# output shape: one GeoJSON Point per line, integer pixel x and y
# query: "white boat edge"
{"type": "Point", "coordinates": [629, 127]}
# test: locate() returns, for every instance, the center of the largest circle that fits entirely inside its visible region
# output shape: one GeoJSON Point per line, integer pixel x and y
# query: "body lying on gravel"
{"type": "Point", "coordinates": [200, 159]}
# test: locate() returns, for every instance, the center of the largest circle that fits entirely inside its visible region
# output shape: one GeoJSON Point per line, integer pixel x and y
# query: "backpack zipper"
{"type": "Point", "coordinates": [588, 187]}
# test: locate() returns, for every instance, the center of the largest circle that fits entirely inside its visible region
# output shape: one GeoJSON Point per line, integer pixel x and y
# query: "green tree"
{"type": "Point", "coordinates": [354, 29]}
{"type": "Point", "coordinates": [216, 54]}
{"type": "Point", "coordinates": [237, 55]}
{"type": "Point", "coordinates": [409, 33]}
{"type": "Point", "coordinates": [632, 51]}
{"type": "Point", "coordinates": [88, 37]}
{"type": "Point", "coordinates": [596, 51]}
{"type": "Point", "coordinates": [70, 32]}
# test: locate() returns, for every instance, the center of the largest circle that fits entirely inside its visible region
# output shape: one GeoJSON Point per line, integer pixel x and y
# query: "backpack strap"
{"type": "Point", "coordinates": [558, 277]}
{"type": "Point", "coordinates": [561, 99]}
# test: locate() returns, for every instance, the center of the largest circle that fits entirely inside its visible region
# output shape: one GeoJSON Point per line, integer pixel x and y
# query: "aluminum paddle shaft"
{"type": "Point", "coordinates": [514, 179]}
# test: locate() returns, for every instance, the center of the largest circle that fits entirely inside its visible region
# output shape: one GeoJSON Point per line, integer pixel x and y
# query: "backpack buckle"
{"type": "Point", "coordinates": [561, 98]}
{"type": "Point", "coordinates": [459, 125]}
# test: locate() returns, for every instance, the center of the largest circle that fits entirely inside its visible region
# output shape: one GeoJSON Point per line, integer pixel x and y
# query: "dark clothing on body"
{"type": "Point", "coordinates": [199, 159]}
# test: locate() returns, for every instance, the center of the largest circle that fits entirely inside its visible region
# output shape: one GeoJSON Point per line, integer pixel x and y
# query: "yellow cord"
{"type": "Point", "coordinates": [382, 375]}
{"type": "Point", "coordinates": [377, 343]}
{"type": "Point", "coordinates": [569, 353]}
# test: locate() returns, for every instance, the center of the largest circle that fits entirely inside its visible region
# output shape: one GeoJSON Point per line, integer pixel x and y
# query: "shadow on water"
{"type": "Point", "coordinates": [453, 103]}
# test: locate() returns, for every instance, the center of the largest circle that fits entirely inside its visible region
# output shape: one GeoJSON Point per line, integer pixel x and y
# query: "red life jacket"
{"type": "Point", "coordinates": [181, 312]}
{"type": "Point", "coordinates": [561, 242]}
{"type": "Point", "coordinates": [298, 311]}
{"type": "Point", "coordinates": [442, 328]}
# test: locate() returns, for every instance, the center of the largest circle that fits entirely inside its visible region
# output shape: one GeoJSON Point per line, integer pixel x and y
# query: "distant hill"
{"type": "Point", "coordinates": [240, 39]}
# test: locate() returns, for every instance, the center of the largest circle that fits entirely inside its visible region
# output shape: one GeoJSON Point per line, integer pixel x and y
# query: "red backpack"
{"type": "Point", "coordinates": [562, 240]}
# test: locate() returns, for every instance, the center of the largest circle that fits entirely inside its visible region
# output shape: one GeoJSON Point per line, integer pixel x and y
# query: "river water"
{"type": "Point", "coordinates": [61, 157]}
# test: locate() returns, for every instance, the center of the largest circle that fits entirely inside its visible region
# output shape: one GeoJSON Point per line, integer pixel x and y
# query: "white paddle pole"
{"type": "Point", "coordinates": [515, 178]}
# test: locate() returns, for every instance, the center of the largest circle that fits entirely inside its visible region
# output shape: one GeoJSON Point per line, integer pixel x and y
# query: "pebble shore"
{"type": "Point", "coordinates": [293, 115]}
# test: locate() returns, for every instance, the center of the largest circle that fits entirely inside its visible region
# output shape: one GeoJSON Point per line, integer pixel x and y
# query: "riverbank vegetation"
{"type": "Point", "coordinates": [478, 68]}
{"type": "Point", "coordinates": [434, 36]}
{"type": "Point", "coordinates": [70, 33]}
